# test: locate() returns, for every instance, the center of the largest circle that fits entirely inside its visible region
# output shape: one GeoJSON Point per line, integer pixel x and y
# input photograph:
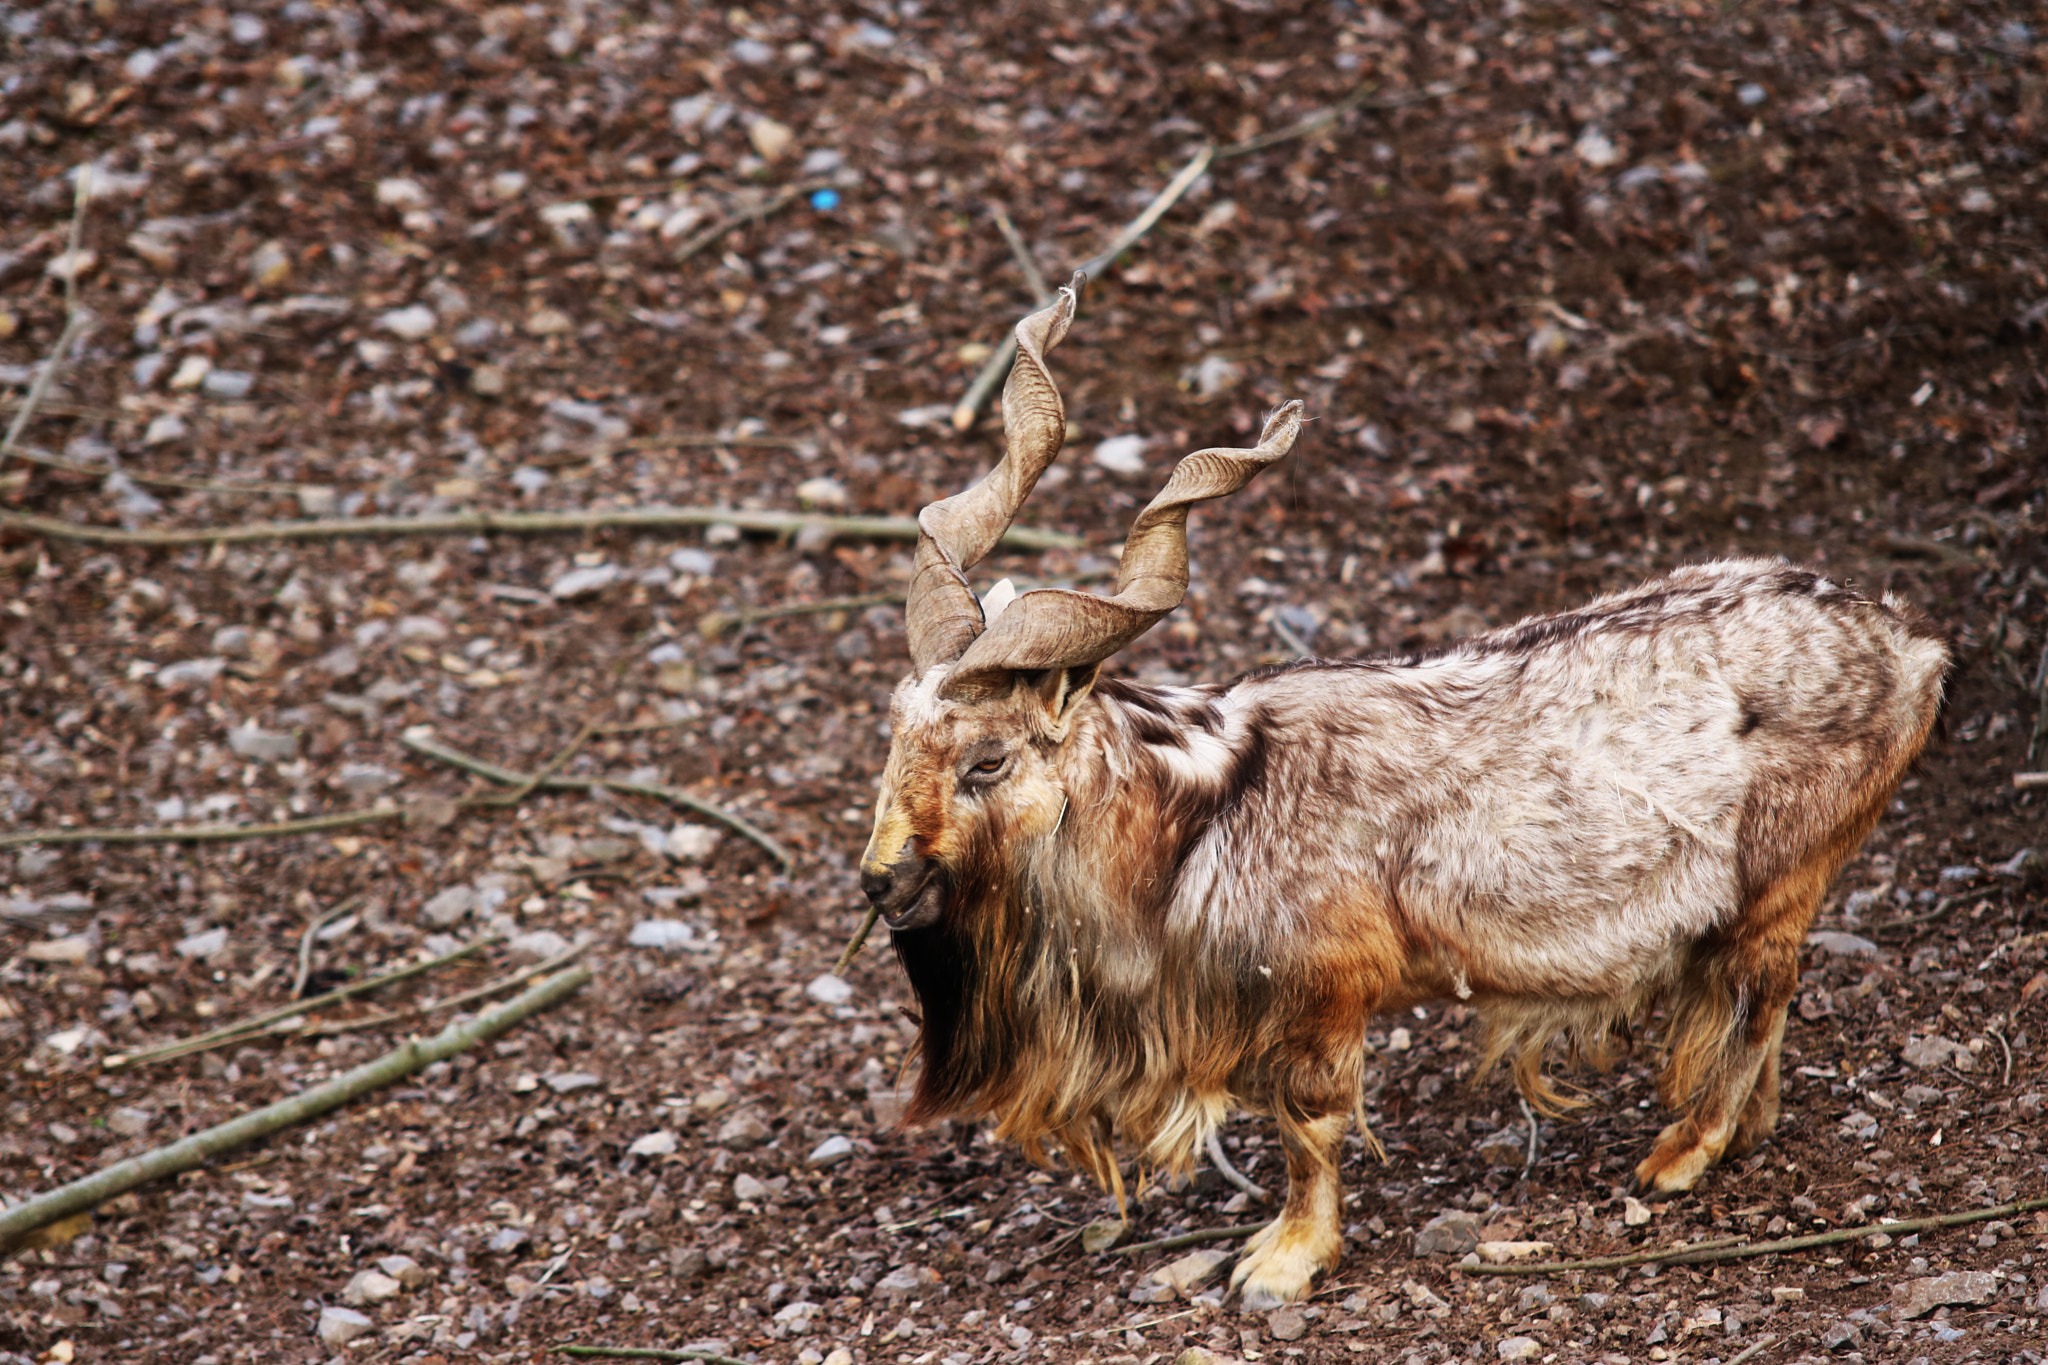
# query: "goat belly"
{"type": "Point", "coordinates": [1566, 807]}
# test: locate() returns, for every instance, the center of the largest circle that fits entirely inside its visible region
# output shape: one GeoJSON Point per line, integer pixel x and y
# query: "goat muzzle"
{"type": "Point", "coordinates": [908, 890]}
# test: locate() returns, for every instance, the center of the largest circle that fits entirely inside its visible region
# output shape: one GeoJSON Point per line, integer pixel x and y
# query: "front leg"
{"type": "Point", "coordinates": [1305, 1240]}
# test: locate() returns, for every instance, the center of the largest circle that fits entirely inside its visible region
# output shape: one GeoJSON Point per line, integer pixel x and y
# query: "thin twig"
{"type": "Point", "coordinates": [1702, 1252]}
{"type": "Point", "coordinates": [1529, 1114]}
{"type": "Point", "coordinates": [998, 364]}
{"type": "Point", "coordinates": [1749, 1352]}
{"type": "Point", "coordinates": [1188, 1239]}
{"type": "Point", "coordinates": [525, 788]}
{"type": "Point", "coordinates": [201, 834]}
{"type": "Point", "coordinates": [189, 1152]}
{"type": "Point", "coordinates": [859, 941]}
{"type": "Point", "coordinates": [715, 623]}
{"type": "Point", "coordinates": [2028, 782]}
{"type": "Point", "coordinates": [775, 203]}
{"type": "Point", "coordinates": [258, 1023]}
{"type": "Point", "coordinates": [50, 460]}
{"type": "Point", "coordinates": [1230, 1172]}
{"type": "Point", "coordinates": [483, 992]}
{"type": "Point", "coordinates": [75, 321]}
{"type": "Point", "coordinates": [645, 1353]}
{"type": "Point", "coordinates": [1041, 292]}
{"type": "Point", "coordinates": [510, 523]}
{"type": "Point", "coordinates": [306, 943]}
{"type": "Point", "coordinates": [420, 740]}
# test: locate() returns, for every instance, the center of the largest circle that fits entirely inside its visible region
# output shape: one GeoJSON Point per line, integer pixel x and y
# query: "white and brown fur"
{"type": "Point", "coordinates": [1165, 903]}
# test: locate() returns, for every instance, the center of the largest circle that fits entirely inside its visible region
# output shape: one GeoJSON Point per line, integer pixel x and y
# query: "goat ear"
{"type": "Point", "coordinates": [1060, 690]}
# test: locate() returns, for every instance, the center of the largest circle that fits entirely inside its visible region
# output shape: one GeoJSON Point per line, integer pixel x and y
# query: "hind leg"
{"type": "Point", "coordinates": [1727, 1025]}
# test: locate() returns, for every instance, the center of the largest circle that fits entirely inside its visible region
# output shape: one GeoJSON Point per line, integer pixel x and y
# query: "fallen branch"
{"type": "Point", "coordinates": [258, 1023]}
{"type": "Point", "coordinates": [1188, 1239]}
{"type": "Point", "coordinates": [998, 365]}
{"type": "Point", "coordinates": [774, 204]}
{"type": "Point", "coordinates": [525, 787]}
{"type": "Point", "coordinates": [1731, 1249]}
{"type": "Point", "coordinates": [420, 740]}
{"type": "Point", "coordinates": [1230, 1172]}
{"type": "Point", "coordinates": [49, 460]}
{"type": "Point", "coordinates": [474, 994]}
{"type": "Point", "coordinates": [715, 623]}
{"type": "Point", "coordinates": [859, 941]}
{"type": "Point", "coordinates": [190, 1152]}
{"type": "Point", "coordinates": [511, 523]}
{"type": "Point", "coordinates": [1041, 292]}
{"type": "Point", "coordinates": [2029, 782]}
{"type": "Point", "coordinates": [319, 922]}
{"type": "Point", "coordinates": [76, 320]}
{"type": "Point", "coordinates": [645, 1353]}
{"type": "Point", "coordinates": [200, 834]}
{"type": "Point", "coordinates": [1750, 1351]}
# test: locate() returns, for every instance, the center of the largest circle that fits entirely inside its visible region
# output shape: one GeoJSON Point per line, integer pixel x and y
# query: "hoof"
{"type": "Point", "coordinates": [1280, 1267]}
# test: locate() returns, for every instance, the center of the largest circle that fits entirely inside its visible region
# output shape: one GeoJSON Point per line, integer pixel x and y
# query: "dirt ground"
{"type": "Point", "coordinates": [1578, 294]}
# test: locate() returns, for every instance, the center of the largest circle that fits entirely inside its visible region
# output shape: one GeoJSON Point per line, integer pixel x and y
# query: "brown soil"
{"type": "Point", "coordinates": [1647, 285]}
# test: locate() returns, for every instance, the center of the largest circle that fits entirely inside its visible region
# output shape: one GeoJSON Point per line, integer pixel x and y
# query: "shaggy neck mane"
{"type": "Point", "coordinates": [1056, 999]}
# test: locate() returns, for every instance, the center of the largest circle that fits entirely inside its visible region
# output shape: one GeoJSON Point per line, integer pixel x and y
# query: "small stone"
{"type": "Point", "coordinates": [1918, 1298]}
{"type": "Point", "coordinates": [548, 321]}
{"type": "Point", "coordinates": [1504, 1147]}
{"type": "Point", "coordinates": [128, 1121]}
{"type": "Point", "coordinates": [403, 1269]}
{"type": "Point", "coordinates": [1840, 944]}
{"type": "Point", "coordinates": [450, 907]}
{"type": "Point", "coordinates": [401, 193]}
{"type": "Point", "coordinates": [203, 944]}
{"type": "Point", "coordinates": [1926, 1053]}
{"type": "Point", "coordinates": [409, 323]}
{"type": "Point", "coordinates": [905, 1282]}
{"type": "Point", "coordinates": [669, 935]}
{"type": "Point", "coordinates": [227, 384]}
{"type": "Point", "coordinates": [660, 1142]}
{"type": "Point", "coordinates": [263, 746]}
{"type": "Point", "coordinates": [255, 1201]}
{"type": "Point", "coordinates": [1452, 1233]}
{"type": "Point", "coordinates": [270, 265]}
{"type": "Point", "coordinates": [742, 1132]}
{"type": "Point", "coordinates": [793, 1314]}
{"type": "Point", "coordinates": [340, 1326]}
{"type": "Point", "coordinates": [505, 1241]}
{"type": "Point", "coordinates": [690, 843]}
{"type": "Point", "coordinates": [830, 990]}
{"type": "Point", "coordinates": [1195, 1269]}
{"type": "Point", "coordinates": [1518, 1348]}
{"type": "Point", "coordinates": [189, 673]}
{"type": "Point", "coordinates": [1121, 454]}
{"type": "Point", "coordinates": [1840, 1335]}
{"type": "Point", "coordinates": [748, 1189]}
{"type": "Point", "coordinates": [565, 1082]}
{"type": "Point", "coordinates": [370, 1287]}
{"type": "Point", "coordinates": [536, 945]}
{"type": "Point", "coordinates": [822, 492]}
{"type": "Point", "coordinates": [1500, 1253]}
{"type": "Point", "coordinates": [831, 1151]}
{"type": "Point", "coordinates": [770, 139]}
{"type": "Point", "coordinates": [1102, 1234]}
{"type": "Point", "coordinates": [73, 950]}
{"type": "Point", "coordinates": [365, 779]}
{"type": "Point", "coordinates": [1635, 1212]}
{"type": "Point", "coordinates": [489, 380]}
{"type": "Point", "coordinates": [1287, 1324]}
{"type": "Point", "coordinates": [584, 582]}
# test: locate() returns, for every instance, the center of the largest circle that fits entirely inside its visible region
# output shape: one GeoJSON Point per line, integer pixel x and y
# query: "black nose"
{"type": "Point", "coordinates": [903, 890]}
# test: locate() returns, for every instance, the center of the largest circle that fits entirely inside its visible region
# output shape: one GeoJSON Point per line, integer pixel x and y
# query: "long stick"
{"type": "Point", "coordinates": [644, 1353]}
{"type": "Point", "coordinates": [35, 455]}
{"type": "Point", "coordinates": [712, 624]}
{"type": "Point", "coordinates": [998, 365]}
{"type": "Point", "coordinates": [859, 941]}
{"type": "Point", "coordinates": [775, 204]}
{"type": "Point", "coordinates": [483, 992]}
{"type": "Point", "coordinates": [1041, 292]}
{"type": "Point", "coordinates": [420, 741]}
{"type": "Point", "coordinates": [75, 321]}
{"type": "Point", "coordinates": [1189, 1239]}
{"type": "Point", "coordinates": [1724, 1252]}
{"type": "Point", "coordinates": [189, 1152]}
{"type": "Point", "coordinates": [256, 1023]}
{"type": "Point", "coordinates": [200, 834]}
{"type": "Point", "coordinates": [481, 522]}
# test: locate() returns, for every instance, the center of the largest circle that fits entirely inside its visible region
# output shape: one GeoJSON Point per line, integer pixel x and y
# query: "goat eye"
{"type": "Point", "coordinates": [988, 766]}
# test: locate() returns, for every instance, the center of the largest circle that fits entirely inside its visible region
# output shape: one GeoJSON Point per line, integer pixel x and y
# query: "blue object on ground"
{"type": "Point", "coordinates": [824, 201]}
